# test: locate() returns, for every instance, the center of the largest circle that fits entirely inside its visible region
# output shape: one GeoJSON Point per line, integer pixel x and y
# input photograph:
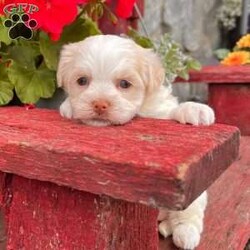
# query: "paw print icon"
{"type": "Point", "coordinates": [20, 26]}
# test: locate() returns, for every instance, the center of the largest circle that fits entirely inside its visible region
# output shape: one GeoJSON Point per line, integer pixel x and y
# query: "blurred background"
{"type": "Point", "coordinates": [201, 27]}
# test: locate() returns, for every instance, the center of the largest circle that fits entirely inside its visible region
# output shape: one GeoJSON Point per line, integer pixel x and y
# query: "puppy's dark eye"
{"type": "Point", "coordinates": [124, 84]}
{"type": "Point", "coordinates": [83, 81]}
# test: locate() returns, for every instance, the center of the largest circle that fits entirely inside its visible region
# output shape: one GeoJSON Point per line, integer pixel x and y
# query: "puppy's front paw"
{"type": "Point", "coordinates": [194, 113]}
{"type": "Point", "coordinates": [186, 236]}
{"type": "Point", "coordinates": [66, 109]}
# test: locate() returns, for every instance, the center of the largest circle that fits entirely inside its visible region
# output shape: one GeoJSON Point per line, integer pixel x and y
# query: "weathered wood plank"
{"type": "Point", "coordinates": [220, 74]}
{"type": "Point", "coordinates": [3, 192]}
{"type": "Point", "coordinates": [44, 216]}
{"type": "Point", "coordinates": [155, 162]}
{"type": "Point", "coordinates": [227, 220]}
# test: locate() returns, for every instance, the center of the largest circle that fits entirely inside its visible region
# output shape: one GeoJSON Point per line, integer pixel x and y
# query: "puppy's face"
{"type": "Point", "coordinates": [107, 78]}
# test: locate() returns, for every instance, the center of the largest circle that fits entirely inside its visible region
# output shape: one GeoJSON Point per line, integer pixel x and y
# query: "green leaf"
{"type": "Point", "coordinates": [24, 54]}
{"type": "Point", "coordinates": [221, 53]}
{"type": "Point", "coordinates": [50, 51]}
{"type": "Point", "coordinates": [6, 88]}
{"type": "Point", "coordinates": [183, 74]}
{"type": "Point", "coordinates": [32, 84]}
{"type": "Point", "coordinates": [4, 32]}
{"type": "Point", "coordinates": [6, 92]}
{"type": "Point", "coordinates": [77, 31]}
{"type": "Point", "coordinates": [175, 61]}
{"type": "Point", "coordinates": [140, 40]}
{"type": "Point", "coordinates": [194, 64]}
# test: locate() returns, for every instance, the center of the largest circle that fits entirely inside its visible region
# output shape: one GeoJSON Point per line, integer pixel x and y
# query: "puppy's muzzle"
{"type": "Point", "coordinates": [100, 106]}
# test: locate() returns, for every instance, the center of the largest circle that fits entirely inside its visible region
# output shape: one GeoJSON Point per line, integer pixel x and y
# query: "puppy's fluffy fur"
{"type": "Point", "coordinates": [109, 80]}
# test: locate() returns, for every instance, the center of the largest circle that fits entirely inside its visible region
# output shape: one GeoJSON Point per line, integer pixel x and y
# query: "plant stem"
{"type": "Point", "coordinates": [144, 27]}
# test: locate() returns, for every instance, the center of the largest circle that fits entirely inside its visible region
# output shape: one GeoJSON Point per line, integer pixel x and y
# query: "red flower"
{"type": "Point", "coordinates": [3, 4]}
{"type": "Point", "coordinates": [124, 8]}
{"type": "Point", "coordinates": [82, 1]}
{"type": "Point", "coordinates": [53, 15]}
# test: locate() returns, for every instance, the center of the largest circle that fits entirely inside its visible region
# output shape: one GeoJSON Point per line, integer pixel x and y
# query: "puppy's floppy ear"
{"type": "Point", "coordinates": [67, 55]}
{"type": "Point", "coordinates": [153, 72]}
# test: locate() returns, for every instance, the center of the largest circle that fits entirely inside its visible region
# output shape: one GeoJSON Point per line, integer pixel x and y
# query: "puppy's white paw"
{"type": "Point", "coordinates": [186, 236]}
{"type": "Point", "coordinates": [66, 109]}
{"type": "Point", "coordinates": [194, 113]}
{"type": "Point", "coordinates": [165, 228]}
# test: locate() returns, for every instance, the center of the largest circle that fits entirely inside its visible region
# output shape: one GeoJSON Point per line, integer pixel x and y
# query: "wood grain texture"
{"type": "Point", "coordinates": [2, 208]}
{"type": "Point", "coordinates": [44, 216]}
{"type": "Point", "coordinates": [227, 219]}
{"type": "Point", "coordinates": [220, 74]}
{"type": "Point", "coordinates": [231, 104]}
{"type": "Point", "coordinates": [154, 162]}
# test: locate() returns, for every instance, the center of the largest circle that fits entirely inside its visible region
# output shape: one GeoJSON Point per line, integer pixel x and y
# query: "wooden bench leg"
{"type": "Point", "coordinates": [42, 215]}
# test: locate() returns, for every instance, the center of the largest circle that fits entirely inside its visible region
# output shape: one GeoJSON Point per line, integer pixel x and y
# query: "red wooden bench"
{"type": "Point", "coordinates": [227, 220]}
{"type": "Point", "coordinates": [229, 93]}
{"type": "Point", "coordinates": [68, 186]}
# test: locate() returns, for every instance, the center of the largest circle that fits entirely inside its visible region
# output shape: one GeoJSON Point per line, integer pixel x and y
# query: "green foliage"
{"type": "Point", "coordinates": [221, 53]}
{"type": "Point", "coordinates": [4, 32]}
{"type": "Point", "coordinates": [24, 54]}
{"type": "Point", "coordinates": [31, 83]}
{"type": "Point", "coordinates": [143, 41]}
{"type": "Point", "coordinates": [6, 88]}
{"type": "Point", "coordinates": [174, 60]}
{"type": "Point", "coordinates": [32, 64]}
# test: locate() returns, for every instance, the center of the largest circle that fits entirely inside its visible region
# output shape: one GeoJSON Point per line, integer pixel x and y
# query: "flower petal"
{"type": "Point", "coordinates": [124, 8]}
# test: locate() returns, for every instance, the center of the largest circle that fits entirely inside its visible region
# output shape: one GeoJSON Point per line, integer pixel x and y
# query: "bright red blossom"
{"type": "Point", "coordinates": [54, 15]}
{"type": "Point", "coordinates": [124, 8]}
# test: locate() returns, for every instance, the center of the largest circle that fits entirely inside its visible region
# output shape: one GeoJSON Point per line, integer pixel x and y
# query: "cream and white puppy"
{"type": "Point", "coordinates": [110, 80]}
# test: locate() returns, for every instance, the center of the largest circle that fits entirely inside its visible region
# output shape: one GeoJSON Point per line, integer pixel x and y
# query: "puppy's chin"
{"type": "Point", "coordinates": [97, 122]}
{"type": "Point", "coordinates": [103, 123]}
{"type": "Point", "coordinates": [114, 119]}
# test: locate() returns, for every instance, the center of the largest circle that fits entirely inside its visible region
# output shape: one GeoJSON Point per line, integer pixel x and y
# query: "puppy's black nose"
{"type": "Point", "coordinates": [100, 106]}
